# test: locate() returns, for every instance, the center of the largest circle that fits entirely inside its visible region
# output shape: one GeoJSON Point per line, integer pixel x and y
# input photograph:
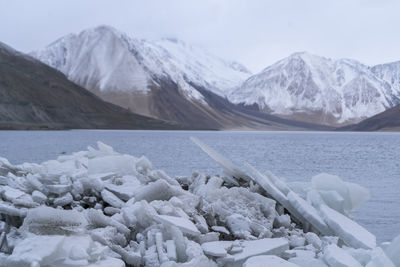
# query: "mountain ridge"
{"type": "Point", "coordinates": [36, 96]}
{"type": "Point", "coordinates": [328, 91]}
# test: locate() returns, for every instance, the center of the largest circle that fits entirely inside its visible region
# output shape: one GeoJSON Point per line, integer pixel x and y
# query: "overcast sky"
{"type": "Point", "coordinates": [254, 32]}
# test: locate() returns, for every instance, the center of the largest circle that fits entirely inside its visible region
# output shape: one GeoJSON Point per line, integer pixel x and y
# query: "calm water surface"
{"type": "Point", "coordinates": [369, 159]}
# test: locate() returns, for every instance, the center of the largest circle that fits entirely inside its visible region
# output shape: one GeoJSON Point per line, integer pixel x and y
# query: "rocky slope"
{"type": "Point", "coordinates": [388, 120]}
{"type": "Point", "coordinates": [36, 96]}
{"type": "Point", "coordinates": [310, 88]}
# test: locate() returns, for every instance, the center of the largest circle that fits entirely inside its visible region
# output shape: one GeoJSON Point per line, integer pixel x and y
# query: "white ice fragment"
{"type": "Point", "coordinates": [97, 218]}
{"type": "Point", "coordinates": [143, 165]}
{"type": "Point", "coordinates": [333, 199]}
{"type": "Point", "coordinates": [9, 193]}
{"type": "Point", "coordinates": [314, 240]}
{"type": "Point", "coordinates": [354, 195]}
{"type": "Point", "coordinates": [105, 148]}
{"type": "Point", "coordinates": [267, 260]}
{"type": "Point", "coordinates": [208, 237]}
{"type": "Point", "coordinates": [112, 199]}
{"type": "Point", "coordinates": [216, 248]}
{"type": "Point", "coordinates": [272, 190]}
{"type": "Point", "coordinates": [39, 197]}
{"type": "Point", "coordinates": [201, 223]}
{"type": "Point", "coordinates": [307, 262]}
{"type": "Point", "coordinates": [111, 211]}
{"type": "Point", "coordinates": [266, 246]}
{"type": "Point", "coordinates": [308, 212]}
{"type": "Point", "coordinates": [183, 224]}
{"type": "Point", "coordinates": [337, 257]}
{"type": "Point", "coordinates": [119, 164]}
{"type": "Point", "coordinates": [171, 250]}
{"type": "Point", "coordinates": [124, 191]}
{"type": "Point", "coordinates": [63, 200]}
{"type": "Point", "coordinates": [288, 254]}
{"type": "Point", "coordinates": [348, 230]}
{"type": "Point", "coordinates": [7, 209]}
{"type": "Point", "coordinates": [393, 250]}
{"type": "Point", "coordinates": [239, 225]}
{"type": "Point", "coordinates": [282, 221]}
{"type": "Point", "coordinates": [158, 190]}
{"type": "Point", "coordinates": [296, 241]}
{"type": "Point", "coordinates": [58, 189]}
{"type": "Point", "coordinates": [379, 259]}
{"type": "Point", "coordinates": [220, 229]}
{"type": "Point", "coordinates": [41, 249]}
{"type": "Point", "coordinates": [49, 220]}
{"type": "Point", "coordinates": [227, 165]}
{"type": "Point", "coordinates": [25, 201]}
{"type": "Point", "coordinates": [162, 256]}
{"type": "Point", "coordinates": [363, 256]}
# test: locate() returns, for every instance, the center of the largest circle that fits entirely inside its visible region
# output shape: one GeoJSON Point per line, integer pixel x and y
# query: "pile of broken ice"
{"type": "Point", "coordinates": [102, 208]}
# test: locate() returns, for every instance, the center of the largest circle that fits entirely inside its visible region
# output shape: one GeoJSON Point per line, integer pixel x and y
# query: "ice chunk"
{"type": "Point", "coordinates": [379, 259]}
{"type": "Point", "coordinates": [112, 199]}
{"type": "Point", "coordinates": [348, 230]}
{"type": "Point", "coordinates": [337, 257]}
{"type": "Point", "coordinates": [333, 200]}
{"type": "Point", "coordinates": [183, 224]}
{"type": "Point", "coordinates": [171, 250]}
{"type": "Point", "coordinates": [39, 197]}
{"type": "Point", "coordinates": [296, 241]}
{"type": "Point", "coordinates": [46, 220]}
{"type": "Point", "coordinates": [119, 164]}
{"type": "Point", "coordinates": [216, 248]}
{"type": "Point", "coordinates": [308, 212]}
{"type": "Point", "coordinates": [97, 218]}
{"type": "Point", "coordinates": [8, 209]}
{"type": "Point", "coordinates": [301, 253]}
{"type": "Point", "coordinates": [314, 240]}
{"type": "Point", "coordinates": [64, 200]}
{"type": "Point", "coordinates": [227, 165]}
{"type": "Point", "coordinates": [9, 193]}
{"type": "Point", "coordinates": [266, 246]}
{"type": "Point", "coordinates": [354, 195]}
{"type": "Point", "coordinates": [272, 190]}
{"type": "Point", "coordinates": [282, 220]}
{"type": "Point", "coordinates": [220, 229]}
{"type": "Point", "coordinates": [307, 262]}
{"type": "Point", "coordinates": [267, 260]}
{"type": "Point", "coordinates": [40, 249]}
{"type": "Point", "coordinates": [239, 225]}
{"type": "Point", "coordinates": [393, 250]}
{"type": "Point", "coordinates": [158, 190]}
{"type": "Point", "coordinates": [162, 256]}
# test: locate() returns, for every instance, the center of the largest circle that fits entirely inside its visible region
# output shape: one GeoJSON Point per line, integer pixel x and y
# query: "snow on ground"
{"type": "Point", "coordinates": [102, 208]}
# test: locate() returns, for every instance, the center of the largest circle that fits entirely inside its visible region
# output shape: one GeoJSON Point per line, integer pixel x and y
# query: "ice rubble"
{"type": "Point", "coordinates": [102, 208]}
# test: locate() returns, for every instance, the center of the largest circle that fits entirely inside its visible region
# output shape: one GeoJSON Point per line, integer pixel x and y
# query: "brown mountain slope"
{"type": "Point", "coordinates": [388, 120]}
{"type": "Point", "coordinates": [36, 96]}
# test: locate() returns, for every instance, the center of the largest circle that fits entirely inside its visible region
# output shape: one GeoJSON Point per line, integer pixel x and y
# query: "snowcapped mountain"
{"type": "Point", "coordinates": [312, 88]}
{"type": "Point", "coordinates": [107, 60]}
{"type": "Point", "coordinates": [161, 79]}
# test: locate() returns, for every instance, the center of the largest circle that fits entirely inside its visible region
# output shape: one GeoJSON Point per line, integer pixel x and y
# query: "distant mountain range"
{"type": "Point", "coordinates": [310, 88]}
{"type": "Point", "coordinates": [170, 80]}
{"type": "Point", "coordinates": [36, 96]}
{"type": "Point", "coordinates": [165, 79]}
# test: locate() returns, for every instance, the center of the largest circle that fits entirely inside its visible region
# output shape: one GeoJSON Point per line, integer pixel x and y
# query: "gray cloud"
{"type": "Point", "coordinates": [254, 32]}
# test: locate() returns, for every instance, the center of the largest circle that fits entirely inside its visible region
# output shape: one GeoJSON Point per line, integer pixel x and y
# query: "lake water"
{"type": "Point", "coordinates": [369, 159]}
